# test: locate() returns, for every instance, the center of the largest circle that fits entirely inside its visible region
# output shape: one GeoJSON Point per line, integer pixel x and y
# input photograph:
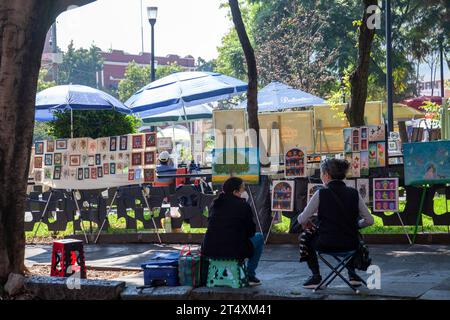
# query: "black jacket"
{"type": "Point", "coordinates": [338, 219]}
{"type": "Point", "coordinates": [230, 227]}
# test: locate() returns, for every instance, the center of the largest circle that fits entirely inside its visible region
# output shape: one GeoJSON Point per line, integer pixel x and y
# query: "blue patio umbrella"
{"type": "Point", "coordinates": [278, 96]}
{"type": "Point", "coordinates": [181, 90]}
{"type": "Point", "coordinates": [74, 97]}
{"type": "Point", "coordinates": [192, 113]}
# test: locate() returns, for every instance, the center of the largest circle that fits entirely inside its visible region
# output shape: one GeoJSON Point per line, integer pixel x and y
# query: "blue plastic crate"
{"type": "Point", "coordinates": [161, 269]}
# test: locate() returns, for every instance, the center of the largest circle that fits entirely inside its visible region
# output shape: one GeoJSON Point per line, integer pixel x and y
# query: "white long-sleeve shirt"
{"type": "Point", "coordinates": [366, 219]}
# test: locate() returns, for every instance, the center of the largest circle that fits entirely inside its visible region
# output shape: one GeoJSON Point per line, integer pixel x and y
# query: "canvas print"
{"type": "Point", "coordinates": [283, 196]}
{"type": "Point", "coordinates": [295, 161]}
{"type": "Point", "coordinates": [355, 140]}
{"type": "Point", "coordinates": [385, 195]}
{"type": "Point", "coordinates": [57, 158]}
{"type": "Point", "coordinates": [149, 158]}
{"type": "Point", "coordinates": [150, 140]}
{"type": "Point", "coordinates": [312, 189]}
{"type": "Point", "coordinates": [112, 168]}
{"type": "Point", "coordinates": [240, 162]}
{"type": "Point", "coordinates": [38, 162]}
{"type": "Point", "coordinates": [92, 146]}
{"type": "Point", "coordinates": [113, 144]}
{"type": "Point", "coordinates": [57, 173]}
{"type": "Point", "coordinates": [363, 185]}
{"type": "Point", "coordinates": [39, 147]}
{"type": "Point", "coordinates": [50, 146]}
{"type": "Point", "coordinates": [377, 133]}
{"type": "Point", "coordinates": [373, 155]}
{"type": "Point", "coordinates": [75, 160]}
{"type": "Point", "coordinates": [356, 165]}
{"type": "Point", "coordinates": [86, 173]}
{"type": "Point", "coordinates": [138, 143]}
{"type": "Point", "coordinates": [131, 175]}
{"type": "Point", "coordinates": [381, 154]}
{"type": "Point", "coordinates": [364, 163]}
{"type": "Point", "coordinates": [102, 145]}
{"type": "Point", "coordinates": [427, 162]}
{"type": "Point", "coordinates": [94, 172]}
{"type": "Point", "coordinates": [48, 159]}
{"type": "Point", "coordinates": [149, 175]}
{"type": "Point", "coordinates": [61, 144]}
{"type": "Point", "coordinates": [123, 143]}
{"type": "Point", "coordinates": [347, 140]}
{"type": "Point", "coordinates": [136, 159]}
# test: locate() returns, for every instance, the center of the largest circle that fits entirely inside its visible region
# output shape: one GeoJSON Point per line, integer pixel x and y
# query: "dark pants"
{"type": "Point", "coordinates": [313, 261]}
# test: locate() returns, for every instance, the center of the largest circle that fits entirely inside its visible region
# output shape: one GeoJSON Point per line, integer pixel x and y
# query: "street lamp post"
{"type": "Point", "coordinates": [152, 13]}
{"type": "Point", "coordinates": [389, 84]}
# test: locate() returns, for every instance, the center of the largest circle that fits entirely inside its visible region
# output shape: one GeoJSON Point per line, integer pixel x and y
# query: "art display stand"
{"type": "Point", "coordinates": [419, 213]}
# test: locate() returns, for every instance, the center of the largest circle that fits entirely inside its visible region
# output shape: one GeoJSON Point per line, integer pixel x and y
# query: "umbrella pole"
{"type": "Point", "coordinates": [189, 128]}
{"type": "Point", "coordinates": [71, 123]}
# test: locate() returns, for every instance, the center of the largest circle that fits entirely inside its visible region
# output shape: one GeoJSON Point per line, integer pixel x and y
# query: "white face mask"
{"type": "Point", "coordinates": [244, 195]}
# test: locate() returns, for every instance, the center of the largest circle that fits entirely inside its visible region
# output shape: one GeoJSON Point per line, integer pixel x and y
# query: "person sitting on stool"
{"type": "Point", "coordinates": [231, 230]}
{"type": "Point", "coordinates": [164, 168]}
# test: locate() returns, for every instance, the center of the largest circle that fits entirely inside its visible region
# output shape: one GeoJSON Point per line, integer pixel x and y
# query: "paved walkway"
{"type": "Point", "coordinates": [407, 272]}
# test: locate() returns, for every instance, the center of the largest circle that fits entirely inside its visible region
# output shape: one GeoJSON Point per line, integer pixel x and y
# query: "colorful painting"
{"type": "Point", "coordinates": [113, 144]}
{"type": "Point", "coordinates": [48, 159]}
{"type": "Point", "coordinates": [123, 143]}
{"type": "Point", "coordinates": [99, 173]}
{"type": "Point", "coordinates": [312, 189]}
{"type": "Point", "coordinates": [385, 195]}
{"type": "Point", "coordinates": [38, 177]}
{"type": "Point", "coordinates": [80, 175]}
{"type": "Point", "coordinates": [38, 162]}
{"type": "Point", "coordinates": [149, 158]}
{"type": "Point", "coordinates": [61, 144]}
{"type": "Point", "coordinates": [137, 174]}
{"type": "Point", "coordinates": [363, 187]}
{"type": "Point", "coordinates": [239, 162]}
{"type": "Point", "coordinates": [50, 146]}
{"type": "Point", "coordinates": [364, 138]}
{"type": "Point", "coordinates": [136, 159]}
{"type": "Point", "coordinates": [347, 140]}
{"type": "Point", "coordinates": [356, 165]}
{"type": "Point", "coordinates": [94, 173]}
{"type": "Point", "coordinates": [137, 142]}
{"type": "Point", "coordinates": [98, 159]}
{"type": "Point", "coordinates": [372, 155]}
{"type": "Point", "coordinates": [364, 163]}
{"type": "Point", "coordinates": [427, 162]}
{"type": "Point", "coordinates": [295, 160]}
{"type": "Point", "coordinates": [150, 140]}
{"type": "Point", "coordinates": [105, 168]}
{"type": "Point", "coordinates": [75, 160]}
{"type": "Point", "coordinates": [355, 140]}
{"type": "Point", "coordinates": [377, 133]}
{"type": "Point", "coordinates": [381, 154]}
{"type": "Point", "coordinates": [39, 147]}
{"type": "Point", "coordinates": [283, 196]}
{"type": "Point", "coordinates": [149, 175]}
{"type": "Point", "coordinates": [350, 183]}
{"type": "Point", "coordinates": [57, 158]}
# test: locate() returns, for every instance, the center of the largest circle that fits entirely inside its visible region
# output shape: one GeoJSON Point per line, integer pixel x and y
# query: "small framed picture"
{"type": "Point", "coordinates": [105, 168]}
{"type": "Point", "coordinates": [75, 160]}
{"type": "Point", "coordinates": [137, 174]}
{"type": "Point", "coordinates": [50, 146]}
{"type": "Point", "coordinates": [137, 142]}
{"type": "Point", "coordinates": [80, 174]}
{"type": "Point", "coordinates": [57, 173]}
{"type": "Point", "coordinates": [94, 173]}
{"type": "Point", "coordinates": [57, 159]}
{"type": "Point", "coordinates": [48, 159]}
{"type": "Point", "coordinates": [98, 159]}
{"type": "Point", "coordinates": [91, 161]}
{"type": "Point", "coordinates": [136, 159]}
{"type": "Point", "coordinates": [113, 144]}
{"type": "Point", "coordinates": [149, 158]}
{"type": "Point", "coordinates": [39, 147]}
{"type": "Point", "coordinates": [48, 173]}
{"type": "Point", "coordinates": [150, 140]}
{"type": "Point", "coordinates": [38, 176]}
{"type": "Point", "coordinates": [149, 175]}
{"type": "Point", "coordinates": [61, 144]}
{"type": "Point", "coordinates": [92, 146]}
{"type": "Point", "coordinates": [86, 173]}
{"type": "Point", "coordinates": [131, 174]}
{"type": "Point", "coordinates": [38, 162]}
{"type": "Point", "coordinates": [123, 143]}
{"type": "Point", "coordinates": [100, 172]}
{"type": "Point", "coordinates": [112, 168]}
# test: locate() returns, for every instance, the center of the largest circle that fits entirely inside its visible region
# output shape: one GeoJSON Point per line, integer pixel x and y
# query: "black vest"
{"type": "Point", "coordinates": [338, 228]}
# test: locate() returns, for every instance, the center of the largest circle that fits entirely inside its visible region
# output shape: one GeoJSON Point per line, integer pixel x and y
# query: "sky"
{"type": "Point", "coordinates": [183, 27]}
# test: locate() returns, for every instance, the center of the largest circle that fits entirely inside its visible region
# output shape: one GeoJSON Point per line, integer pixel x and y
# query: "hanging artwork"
{"type": "Point", "coordinates": [57, 159]}
{"type": "Point", "coordinates": [39, 147]}
{"type": "Point", "coordinates": [150, 140]}
{"type": "Point", "coordinates": [364, 163]}
{"type": "Point", "coordinates": [355, 140]}
{"type": "Point", "coordinates": [385, 195]}
{"type": "Point", "coordinates": [112, 168]}
{"type": "Point", "coordinates": [57, 173]}
{"type": "Point", "coordinates": [373, 155]}
{"type": "Point", "coordinates": [136, 159]}
{"type": "Point", "coordinates": [349, 159]}
{"type": "Point", "coordinates": [138, 143]}
{"type": "Point", "coordinates": [347, 140]}
{"type": "Point", "coordinates": [131, 174]}
{"type": "Point", "coordinates": [312, 189]}
{"type": "Point", "coordinates": [381, 154]}
{"type": "Point", "coordinates": [364, 138]}
{"type": "Point", "coordinates": [165, 143]}
{"type": "Point", "coordinates": [149, 158]}
{"type": "Point", "coordinates": [283, 196]}
{"type": "Point", "coordinates": [61, 144]}
{"type": "Point", "coordinates": [350, 183]}
{"type": "Point", "coordinates": [105, 168]}
{"type": "Point", "coordinates": [363, 185]}
{"type": "Point", "coordinates": [91, 161]}
{"type": "Point", "coordinates": [75, 160]}
{"type": "Point", "coordinates": [113, 144]}
{"type": "Point", "coordinates": [123, 143]}
{"type": "Point", "coordinates": [92, 146]}
{"type": "Point", "coordinates": [50, 146]}
{"type": "Point", "coordinates": [295, 160]}
{"type": "Point", "coordinates": [149, 175]}
{"type": "Point", "coordinates": [377, 133]}
{"type": "Point", "coordinates": [239, 162]}
{"type": "Point", "coordinates": [355, 165]}
{"type": "Point", "coordinates": [38, 162]}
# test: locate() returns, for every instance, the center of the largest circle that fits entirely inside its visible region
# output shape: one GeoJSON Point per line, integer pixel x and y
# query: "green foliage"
{"type": "Point", "coordinates": [231, 168]}
{"type": "Point", "coordinates": [164, 71]}
{"type": "Point", "coordinates": [203, 65]}
{"type": "Point", "coordinates": [135, 78]}
{"type": "Point", "coordinates": [41, 129]}
{"type": "Point", "coordinates": [434, 111]}
{"type": "Point", "coordinates": [93, 124]}
{"type": "Point", "coordinates": [42, 83]}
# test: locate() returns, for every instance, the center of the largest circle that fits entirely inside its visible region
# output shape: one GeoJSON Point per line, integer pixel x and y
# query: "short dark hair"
{"type": "Point", "coordinates": [336, 168]}
{"type": "Point", "coordinates": [232, 184]}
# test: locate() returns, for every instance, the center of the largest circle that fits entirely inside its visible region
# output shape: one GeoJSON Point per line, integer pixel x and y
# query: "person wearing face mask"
{"type": "Point", "coordinates": [231, 230]}
{"type": "Point", "coordinates": [338, 211]}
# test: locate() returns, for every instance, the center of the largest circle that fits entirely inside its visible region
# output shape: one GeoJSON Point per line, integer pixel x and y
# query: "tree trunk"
{"type": "Point", "coordinates": [359, 77]}
{"type": "Point", "coordinates": [23, 27]}
{"type": "Point", "coordinates": [252, 72]}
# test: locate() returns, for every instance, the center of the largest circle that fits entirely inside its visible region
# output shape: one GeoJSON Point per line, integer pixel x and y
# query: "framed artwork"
{"type": "Point", "coordinates": [137, 174]}
{"type": "Point", "coordinates": [80, 174]}
{"type": "Point", "coordinates": [166, 143]}
{"type": "Point", "coordinates": [75, 160]}
{"type": "Point", "coordinates": [355, 140]}
{"type": "Point", "coordinates": [131, 175]}
{"type": "Point", "coordinates": [94, 173]}
{"type": "Point", "coordinates": [102, 145]}
{"type": "Point", "coordinates": [295, 163]}
{"type": "Point", "coordinates": [356, 165]}
{"type": "Point", "coordinates": [86, 173]}
{"type": "Point", "coordinates": [123, 143]}
{"type": "Point", "coordinates": [48, 173]}
{"type": "Point", "coordinates": [83, 145]}
{"type": "Point", "coordinates": [112, 157]}
{"type": "Point", "coordinates": [48, 159]}
{"type": "Point", "coordinates": [240, 162]}
{"type": "Point", "coordinates": [119, 168]}
{"type": "Point", "coordinates": [347, 140]}
{"type": "Point", "coordinates": [381, 154]}
{"type": "Point", "coordinates": [363, 187]}
{"type": "Point", "coordinates": [98, 159]}
{"type": "Point", "coordinates": [105, 168]}
{"type": "Point", "coordinates": [149, 158]}
{"type": "Point", "coordinates": [377, 133]}
{"type": "Point", "coordinates": [84, 160]}
{"type": "Point", "coordinates": [283, 196]}
{"type": "Point", "coordinates": [136, 159]}
{"type": "Point", "coordinates": [91, 161]}
{"type": "Point", "coordinates": [349, 159]}
{"type": "Point", "coordinates": [385, 195]}
{"type": "Point", "coordinates": [50, 146]}
{"type": "Point", "coordinates": [92, 146]}
{"type": "Point", "coordinates": [65, 158]}
{"type": "Point", "coordinates": [100, 172]}
{"type": "Point", "coordinates": [38, 162]}
{"type": "Point", "coordinates": [364, 163]}
{"type": "Point", "coordinates": [372, 155]}
{"type": "Point", "coordinates": [150, 139]}
{"type": "Point", "coordinates": [137, 142]}
{"type": "Point", "coordinates": [57, 173]}
{"type": "Point", "coordinates": [38, 177]}
{"type": "Point", "coordinates": [312, 189]}
{"type": "Point", "coordinates": [112, 168]}
{"type": "Point", "coordinates": [149, 175]}
{"type": "Point", "coordinates": [57, 159]}
{"type": "Point", "coordinates": [61, 144]}
{"type": "Point", "coordinates": [113, 144]}
{"type": "Point", "coordinates": [364, 138]}
{"type": "Point", "coordinates": [39, 147]}
{"type": "Point", "coordinates": [73, 145]}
